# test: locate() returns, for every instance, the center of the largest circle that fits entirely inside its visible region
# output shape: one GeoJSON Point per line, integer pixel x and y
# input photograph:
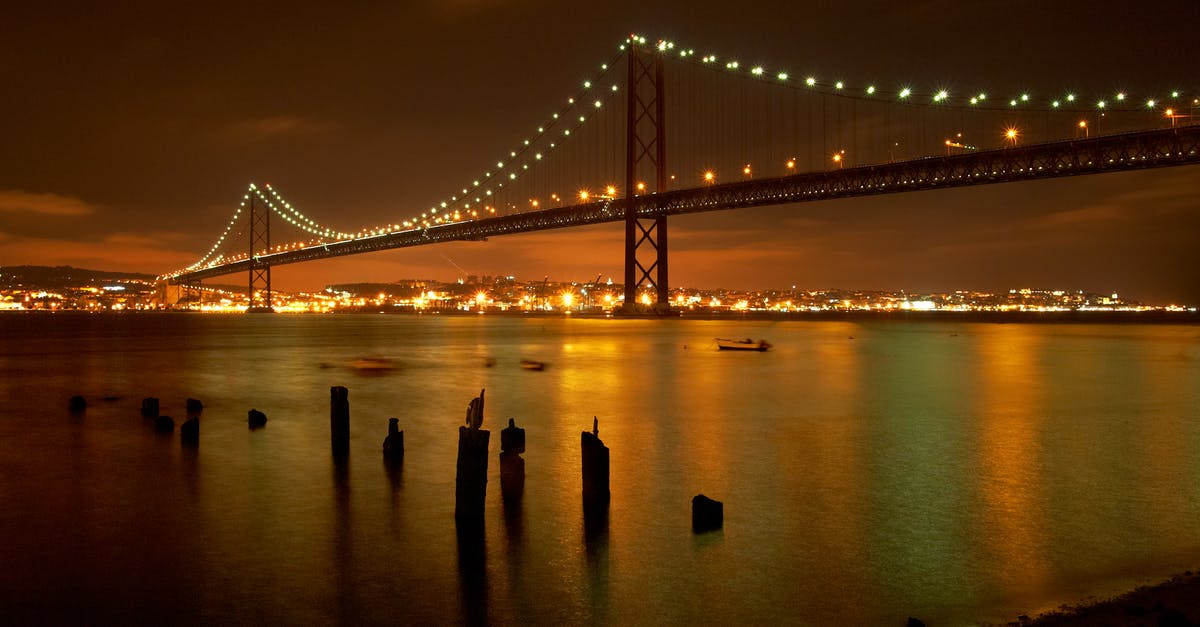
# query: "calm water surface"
{"type": "Point", "coordinates": [870, 471]}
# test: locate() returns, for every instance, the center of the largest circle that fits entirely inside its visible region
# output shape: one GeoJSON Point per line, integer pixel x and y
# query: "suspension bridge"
{"type": "Point", "coordinates": [738, 136]}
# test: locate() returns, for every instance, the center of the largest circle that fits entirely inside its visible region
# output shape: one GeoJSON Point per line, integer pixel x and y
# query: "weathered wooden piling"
{"type": "Point", "coordinates": [150, 407]}
{"type": "Point", "coordinates": [707, 514]}
{"type": "Point", "coordinates": [189, 431]}
{"type": "Point", "coordinates": [393, 444]}
{"type": "Point", "coordinates": [595, 469]}
{"type": "Point", "coordinates": [512, 467]}
{"type": "Point", "coordinates": [470, 483]}
{"type": "Point", "coordinates": [339, 416]}
{"type": "Point", "coordinates": [164, 424]}
{"type": "Point", "coordinates": [256, 419]}
{"type": "Point", "coordinates": [77, 404]}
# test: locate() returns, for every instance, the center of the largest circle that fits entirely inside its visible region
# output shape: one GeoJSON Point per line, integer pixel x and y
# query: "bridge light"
{"type": "Point", "coordinates": [587, 84]}
{"type": "Point", "coordinates": [1054, 104]}
{"type": "Point", "coordinates": [791, 164]}
{"type": "Point", "coordinates": [584, 194]}
{"type": "Point", "coordinates": [534, 203]}
{"type": "Point", "coordinates": [641, 186]}
{"type": "Point", "coordinates": [597, 104]}
{"type": "Point", "coordinates": [870, 89]}
{"type": "Point", "coordinates": [1100, 105]}
{"type": "Point", "coordinates": [839, 85]}
{"type": "Point", "coordinates": [1121, 96]}
{"type": "Point", "coordinates": [782, 76]}
{"type": "Point", "coordinates": [905, 92]}
{"type": "Point", "coordinates": [1174, 94]}
{"type": "Point", "coordinates": [1070, 97]}
{"type": "Point", "coordinates": [940, 96]}
{"type": "Point", "coordinates": [611, 191]}
{"type": "Point", "coordinates": [982, 96]}
{"type": "Point", "coordinates": [810, 81]}
{"type": "Point", "coordinates": [1024, 97]}
{"type": "Point", "coordinates": [1150, 104]}
{"type": "Point", "coordinates": [1011, 134]}
{"type": "Point", "coordinates": [709, 176]}
{"type": "Point", "coordinates": [757, 71]}
{"type": "Point", "coordinates": [746, 170]}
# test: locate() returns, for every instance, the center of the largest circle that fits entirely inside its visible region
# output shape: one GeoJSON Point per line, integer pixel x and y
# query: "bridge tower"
{"type": "Point", "coordinates": [645, 145]}
{"type": "Point", "coordinates": [260, 271]}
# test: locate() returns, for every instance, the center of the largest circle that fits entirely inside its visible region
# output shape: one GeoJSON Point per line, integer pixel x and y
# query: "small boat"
{"type": "Point", "coordinates": [530, 364]}
{"type": "Point", "coordinates": [743, 345]}
{"type": "Point", "coordinates": [373, 364]}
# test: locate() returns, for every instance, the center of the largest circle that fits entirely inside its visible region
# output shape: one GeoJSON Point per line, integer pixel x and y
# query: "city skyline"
{"type": "Point", "coordinates": [138, 157]}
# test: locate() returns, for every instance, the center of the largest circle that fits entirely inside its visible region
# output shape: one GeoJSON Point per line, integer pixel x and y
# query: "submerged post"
{"type": "Point", "coordinates": [595, 469]}
{"type": "Point", "coordinates": [339, 416]}
{"type": "Point", "coordinates": [512, 467]}
{"type": "Point", "coordinates": [470, 482]}
{"type": "Point", "coordinates": [189, 431]}
{"type": "Point", "coordinates": [393, 444]}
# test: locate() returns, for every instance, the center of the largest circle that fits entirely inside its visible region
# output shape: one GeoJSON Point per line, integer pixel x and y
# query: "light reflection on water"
{"type": "Point", "coordinates": [870, 471]}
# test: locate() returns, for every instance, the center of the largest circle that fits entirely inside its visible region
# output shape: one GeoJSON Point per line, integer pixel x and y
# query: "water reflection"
{"type": "Point", "coordinates": [472, 570]}
{"type": "Point", "coordinates": [343, 539]}
{"type": "Point", "coordinates": [1010, 413]}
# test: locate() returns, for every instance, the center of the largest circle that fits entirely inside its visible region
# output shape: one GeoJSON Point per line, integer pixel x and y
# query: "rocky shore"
{"type": "Point", "coordinates": [1172, 603]}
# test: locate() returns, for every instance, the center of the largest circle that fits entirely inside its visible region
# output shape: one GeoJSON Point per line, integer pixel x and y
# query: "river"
{"type": "Point", "coordinates": [870, 471]}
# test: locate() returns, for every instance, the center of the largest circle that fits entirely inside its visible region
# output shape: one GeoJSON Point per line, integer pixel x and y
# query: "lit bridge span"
{"type": "Point", "coordinates": [870, 146]}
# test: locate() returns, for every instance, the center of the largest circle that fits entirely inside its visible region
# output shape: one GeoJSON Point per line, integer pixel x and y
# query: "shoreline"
{"type": "Point", "coordinates": [996, 317]}
{"type": "Point", "coordinates": [1174, 602]}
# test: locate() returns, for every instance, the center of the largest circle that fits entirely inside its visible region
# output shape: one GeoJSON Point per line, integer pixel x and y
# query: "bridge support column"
{"type": "Point", "coordinates": [645, 144]}
{"type": "Point", "coordinates": [260, 271]}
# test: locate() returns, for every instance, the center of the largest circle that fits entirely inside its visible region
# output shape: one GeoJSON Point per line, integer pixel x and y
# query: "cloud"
{"type": "Point", "coordinates": [17, 201]}
{"type": "Point", "coordinates": [117, 252]}
{"type": "Point", "coordinates": [273, 126]}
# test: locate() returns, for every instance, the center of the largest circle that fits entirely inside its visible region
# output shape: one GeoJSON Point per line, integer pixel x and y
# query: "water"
{"type": "Point", "coordinates": [870, 471]}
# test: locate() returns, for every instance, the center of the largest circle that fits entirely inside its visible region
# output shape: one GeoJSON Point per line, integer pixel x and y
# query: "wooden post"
{"type": "Point", "coordinates": [150, 407]}
{"type": "Point", "coordinates": [470, 483]}
{"type": "Point", "coordinates": [189, 431]}
{"type": "Point", "coordinates": [393, 444]}
{"type": "Point", "coordinates": [512, 467]}
{"type": "Point", "coordinates": [339, 416]}
{"type": "Point", "coordinates": [595, 469]}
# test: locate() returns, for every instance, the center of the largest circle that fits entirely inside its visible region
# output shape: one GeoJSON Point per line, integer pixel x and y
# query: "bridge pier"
{"type": "Point", "coordinates": [260, 271]}
{"type": "Point", "coordinates": [645, 142]}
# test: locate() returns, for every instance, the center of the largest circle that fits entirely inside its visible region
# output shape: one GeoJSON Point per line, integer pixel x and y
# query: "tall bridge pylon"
{"type": "Point", "coordinates": [645, 145]}
{"type": "Point", "coordinates": [259, 289]}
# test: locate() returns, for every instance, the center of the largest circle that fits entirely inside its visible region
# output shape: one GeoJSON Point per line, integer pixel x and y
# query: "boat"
{"type": "Point", "coordinates": [742, 345]}
{"type": "Point", "coordinates": [530, 364]}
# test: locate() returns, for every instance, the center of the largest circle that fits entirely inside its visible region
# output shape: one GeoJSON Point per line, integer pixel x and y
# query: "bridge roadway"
{"type": "Point", "coordinates": [1109, 153]}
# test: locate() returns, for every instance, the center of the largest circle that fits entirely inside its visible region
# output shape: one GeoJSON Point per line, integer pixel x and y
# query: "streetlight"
{"type": "Point", "coordinates": [1010, 134]}
{"type": "Point", "coordinates": [838, 158]}
{"type": "Point", "coordinates": [1083, 126]}
{"type": "Point", "coordinates": [746, 170]}
{"type": "Point", "coordinates": [709, 177]}
{"type": "Point", "coordinates": [1170, 113]}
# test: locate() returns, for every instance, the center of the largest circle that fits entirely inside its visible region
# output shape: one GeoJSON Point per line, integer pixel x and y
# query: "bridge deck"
{"type": "Point", "coordinates": [1111, 153]}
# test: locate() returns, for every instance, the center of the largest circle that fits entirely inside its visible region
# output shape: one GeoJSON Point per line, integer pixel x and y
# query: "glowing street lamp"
{"type": "Point", "coordinates": [746, 170]}
{"type": "Point", "coordinates": [839, 158]}
{"type": "Point", "coordinates": [791, 165]}
{"type": "Point", "coordinates": [709, 177]}
{"type": "Point", "coordinates": [1083, 126]}
{"type": "Point", "coordinates": [1010, 135]}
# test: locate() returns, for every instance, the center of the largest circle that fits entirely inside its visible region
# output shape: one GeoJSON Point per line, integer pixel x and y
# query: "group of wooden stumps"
{"type": "Point", "coordinates": [470, 487]}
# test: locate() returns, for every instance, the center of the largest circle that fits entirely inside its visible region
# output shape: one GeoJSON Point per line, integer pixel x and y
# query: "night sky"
{"type": "Point", "coordinates": [131, 129]}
